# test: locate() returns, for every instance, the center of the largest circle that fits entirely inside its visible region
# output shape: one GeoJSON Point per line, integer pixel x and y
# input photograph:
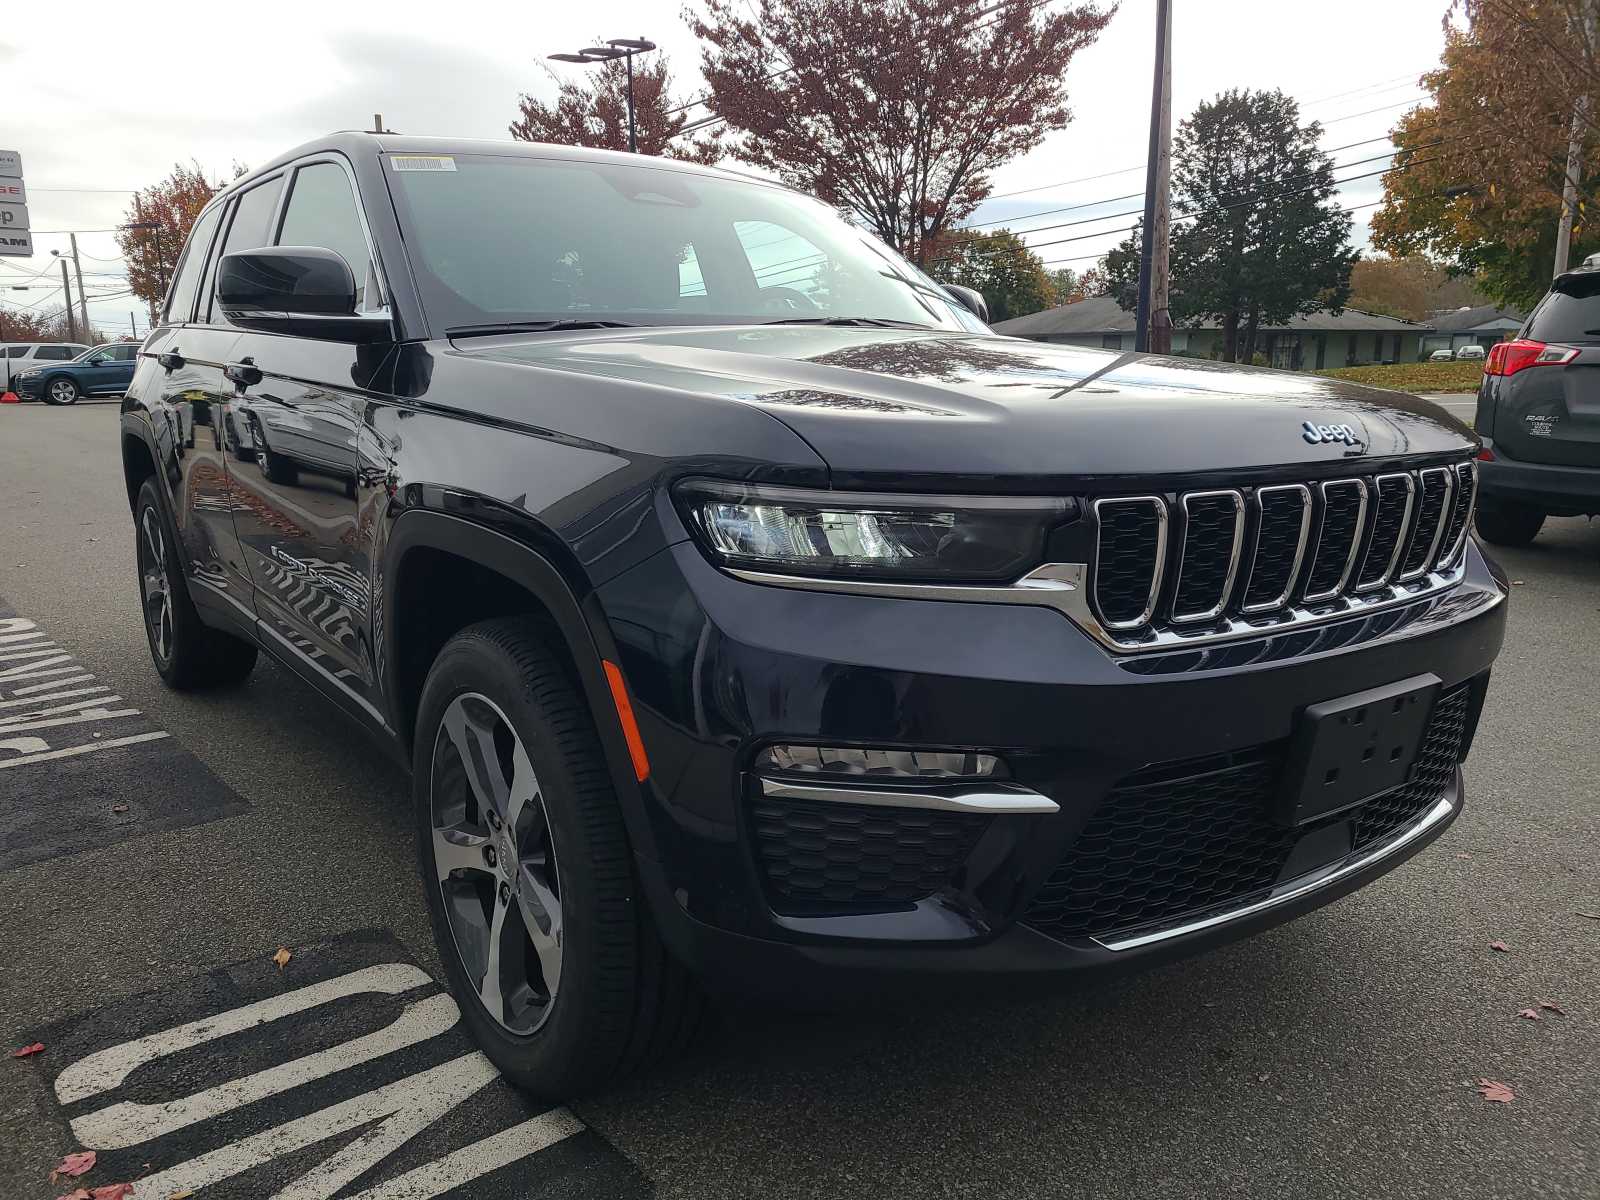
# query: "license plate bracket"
{"type": "Point", "coordinates": [1352, 748]}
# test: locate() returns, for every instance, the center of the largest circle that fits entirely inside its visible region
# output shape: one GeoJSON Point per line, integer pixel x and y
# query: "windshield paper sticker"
{"type": "Point", "coordinates": [421, 162]}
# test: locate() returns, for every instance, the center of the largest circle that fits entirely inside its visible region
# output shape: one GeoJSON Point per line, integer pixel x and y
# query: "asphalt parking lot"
{"type": "Point", "coordinates": [144, 887]}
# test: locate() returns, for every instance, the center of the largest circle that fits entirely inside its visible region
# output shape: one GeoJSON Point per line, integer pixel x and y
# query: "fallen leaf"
{"type": "Point", "coordinates": [28, 1051]}
{"type": "Point", "coordinates": [1552, 1006]}
{"type": "Point", "coordinates": [180, 1195]}
{"type": "Point", "coordinates": [1495, 1092]}
{"type": "Point", "coordinates": [282, 957]}
{"type": "Point", "coordinates": [112, 1191]}
{"type": "Point", "coordinates": [1500, 946]}
{"type": "Point", "coordinates": [1530, 1014]}
{"type": "Point", "coordinates": [1516, 583]}
{"type": "Point", "coordinates": [80, 1194]}
{"type": "Point", "coordinates": [119, 808]}
{"type": "Point", "coordinates": [73, 1164]}
{"type": "Point", "coordinates": [1462, 854]}
{"type": "Point", "coordinates": [1262, 1078]}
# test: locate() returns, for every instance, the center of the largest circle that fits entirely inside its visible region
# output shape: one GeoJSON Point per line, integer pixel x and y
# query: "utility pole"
{"type": "Point", "coordinates": [133, 327]}
{"type": "Point", "coordinates": [1153, 320]}
{"type": "Point", "coordinates": [1569, 186]}
{"type": "Point", "coordinates": [66, 290]}
{"type": "Point", "coordinates": [83, 296]}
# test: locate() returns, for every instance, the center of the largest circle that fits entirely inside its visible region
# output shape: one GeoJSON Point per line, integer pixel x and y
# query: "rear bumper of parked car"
{"type": "Point", "coordinates": [1145, 758]}
{"type": "Point", "coordinates": [1557, 489]}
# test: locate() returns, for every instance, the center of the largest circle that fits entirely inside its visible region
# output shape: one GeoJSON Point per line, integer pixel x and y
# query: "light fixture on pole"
{"type": "Point", "coordinates": [624, 48]}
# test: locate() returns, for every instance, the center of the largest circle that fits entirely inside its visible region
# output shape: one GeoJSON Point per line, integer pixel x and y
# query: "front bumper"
{"type": "Point", "coordinates": [1560, 490]}
{"type": "Point", "coordinates": [720, 668]}
{"type": "Point", "coordinates": [28, 389]}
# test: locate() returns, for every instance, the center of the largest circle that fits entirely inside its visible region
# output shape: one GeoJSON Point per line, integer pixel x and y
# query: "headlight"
{"type": "Point", "coordinates": [30, 372]}
{"type": "Point", "coordinates": [943, 539]}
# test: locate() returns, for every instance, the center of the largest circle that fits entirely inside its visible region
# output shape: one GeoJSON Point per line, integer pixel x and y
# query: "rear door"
{"type": "Point", "coordinates": [1550, 413]}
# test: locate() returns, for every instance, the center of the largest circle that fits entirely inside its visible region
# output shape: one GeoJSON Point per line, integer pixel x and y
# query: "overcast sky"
{"type": "Point", "coordinates": [103, 98]}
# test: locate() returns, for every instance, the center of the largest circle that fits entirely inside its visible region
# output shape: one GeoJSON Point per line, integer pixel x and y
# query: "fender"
{"type": "Point", "coordinates": [581, 622]}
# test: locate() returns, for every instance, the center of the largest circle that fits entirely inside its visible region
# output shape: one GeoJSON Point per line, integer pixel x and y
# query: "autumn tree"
{"type": "Point", "coordinates": [896, 111]}
{"type": "Point", "coordinates": [591, 109]}
{"type": "Point", "coordinates": [1257, 236]}
{"type": "Point", "coordinates": [171, 206]}
{"type": "Point", "coordinates": [1409, 287]}
{"type": "Point", "coordinates": [998, 264]}
{"type": "Point", "coordinates": [1480, 167]}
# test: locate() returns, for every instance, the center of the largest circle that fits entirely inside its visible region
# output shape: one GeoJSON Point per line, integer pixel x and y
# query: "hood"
{"type": "Point", "coordinates": [886, 404]}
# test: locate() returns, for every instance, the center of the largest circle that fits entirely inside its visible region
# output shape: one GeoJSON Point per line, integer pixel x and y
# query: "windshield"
{"type": "Point", "coordinates": [499, 239]}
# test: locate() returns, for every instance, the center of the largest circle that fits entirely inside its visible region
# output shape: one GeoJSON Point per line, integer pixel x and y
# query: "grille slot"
{"type": "Point", "coordinates": [1455, 536]}
{"type": "Point", "coordinates": [1283, 519]}
{"type": "Point", "coordinates": [1391, 517]}
{"type": "Point", "coordinates": [1344, 513]}
{"type": "Point", "coordinates": [1178, 840]}
{"type": "Point", "coordinates": [814, 854]}
{"type": "Point", "coordinates": [1129, 559]}
{"type": "Point", "coordinates": [1213, 530]}
{"type": "Point", "coordinates": [1432, 508]}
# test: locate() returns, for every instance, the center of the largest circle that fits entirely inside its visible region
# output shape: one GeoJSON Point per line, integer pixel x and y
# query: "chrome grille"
{"type": "Point", "coordinates": [1247, 558]}
{"type": "Point", "coordinates": [1391, 515]}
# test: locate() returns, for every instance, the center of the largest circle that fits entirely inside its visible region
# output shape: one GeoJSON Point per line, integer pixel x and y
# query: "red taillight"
{"type": "Point", "coordinates": [1507, 358]}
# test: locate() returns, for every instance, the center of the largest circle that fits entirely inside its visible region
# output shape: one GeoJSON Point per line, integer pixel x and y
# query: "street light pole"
{"type": "Point", "coordinates": [624, 48]}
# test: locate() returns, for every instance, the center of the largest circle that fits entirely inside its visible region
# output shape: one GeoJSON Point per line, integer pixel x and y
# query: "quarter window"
{"type": "Point", "coordinates": [322, 212]}
{"type": "Point", "coordinates": [180, 301]}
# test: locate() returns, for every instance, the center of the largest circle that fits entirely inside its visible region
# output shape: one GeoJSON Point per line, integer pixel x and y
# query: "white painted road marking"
{"type": "Point", "coordinates": [394, 1113]}
{"type": "Point", "coordinates": [41, 751]}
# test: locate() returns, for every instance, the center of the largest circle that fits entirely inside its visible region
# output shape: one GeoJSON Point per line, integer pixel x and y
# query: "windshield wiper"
{"type": "Point", "coordinates": [535, 327]}
{"type": "Point", "coordinates": [878, 322]}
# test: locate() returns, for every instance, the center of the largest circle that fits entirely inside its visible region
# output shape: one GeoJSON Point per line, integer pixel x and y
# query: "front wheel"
{"type": "Point", "coordinates": [188, 654]}
{"type": "Point", "coordinates": [543, 934]}
{"type": "Point", "coordinates": [1505, 524]}
{"type": "Point", "coordinates": [61, 391]}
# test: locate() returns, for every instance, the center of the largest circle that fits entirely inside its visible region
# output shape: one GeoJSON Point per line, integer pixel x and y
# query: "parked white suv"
{"type": "Point", "coordinates": [17, 357]}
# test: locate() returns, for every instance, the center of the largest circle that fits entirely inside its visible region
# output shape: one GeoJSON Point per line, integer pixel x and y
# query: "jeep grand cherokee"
{"type": "Point", "coordinates": [750, 615]}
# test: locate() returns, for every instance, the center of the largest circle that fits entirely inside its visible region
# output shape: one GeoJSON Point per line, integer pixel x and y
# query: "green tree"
{"type": "Point", "coordinates": [1257, 236]}
{"type": "Point", "coordinates": [998, 264]}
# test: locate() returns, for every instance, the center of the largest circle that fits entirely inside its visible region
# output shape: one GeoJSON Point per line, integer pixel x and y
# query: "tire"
{"type": "Point", "coordinates": [60, 390]}
{"type": "Point", "coordinates": [188, 654]}
{"type": "Point", "coordinates": [618, 1001]}
{"type": "Point", "coordinates": [274, 466]}
{"type": "Point", "coordinates": [1506, 524]}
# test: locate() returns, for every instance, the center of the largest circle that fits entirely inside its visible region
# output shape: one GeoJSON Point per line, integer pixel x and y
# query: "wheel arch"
{"type": "Point", "coordinates": [443, 572]}
{"type": "Point", "coordinates": [138, 460]}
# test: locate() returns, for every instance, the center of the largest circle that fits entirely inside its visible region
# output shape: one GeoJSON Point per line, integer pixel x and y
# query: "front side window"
{"type": "Point", "coordinates": [180, 301]}
{"type": "Point", "coordinates": [250, 227]}
{"type": "Point", "coordinates": [322, 212]}
{"type": "Point", "coordinates": [509, 239]}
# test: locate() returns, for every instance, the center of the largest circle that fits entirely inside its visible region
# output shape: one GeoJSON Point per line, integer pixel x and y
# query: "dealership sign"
{"type": "Point", "coordinates": [15, 240]}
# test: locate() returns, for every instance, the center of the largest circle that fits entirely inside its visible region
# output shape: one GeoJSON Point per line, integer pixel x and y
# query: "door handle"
{"type": "Point", "coordinates": [244, 373]}
{"type": "Point", "coordinates": [171, 360]}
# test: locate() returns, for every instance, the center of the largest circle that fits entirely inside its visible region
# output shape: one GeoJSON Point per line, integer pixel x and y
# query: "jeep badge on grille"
{"type": "Point", "coordinates": [1316, 434]}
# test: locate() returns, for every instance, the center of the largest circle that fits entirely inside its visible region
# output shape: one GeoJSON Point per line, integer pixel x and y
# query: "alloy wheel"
{"type": "Point", "coordinates": [495, 863]}
{"type": "Point", "coordinates": [155, 584]}
{"type": "Point", "coordinates": [63, 392]}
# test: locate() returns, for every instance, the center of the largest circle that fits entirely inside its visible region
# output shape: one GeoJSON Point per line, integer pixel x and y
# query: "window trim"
{"type": "Point", "coordinates": [168, 317]}
{"type": "Point", "coordinates": [213, 320]}
{"type": "Point", "coordinates": [292, 171]}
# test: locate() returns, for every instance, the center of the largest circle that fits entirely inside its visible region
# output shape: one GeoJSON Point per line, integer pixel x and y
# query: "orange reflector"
{"type": "Point", "coordinates": [630, 727]}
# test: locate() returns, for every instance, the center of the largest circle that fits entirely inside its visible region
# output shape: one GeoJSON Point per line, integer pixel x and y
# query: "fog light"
{"type": "Point", "coordinates": [880, 763]}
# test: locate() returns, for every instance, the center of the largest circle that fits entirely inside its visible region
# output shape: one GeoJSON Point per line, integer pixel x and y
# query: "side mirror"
{"type": "Point", "coordinates": [970, 299]}
{"type": "Point", "coordinates": [305, 291]}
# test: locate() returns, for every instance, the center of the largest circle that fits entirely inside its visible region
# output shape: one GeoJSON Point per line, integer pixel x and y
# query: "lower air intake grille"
{"type": "Point", "coordinates": [840, 854]}
{"type": "Point", "coordinates": [1174, 841]}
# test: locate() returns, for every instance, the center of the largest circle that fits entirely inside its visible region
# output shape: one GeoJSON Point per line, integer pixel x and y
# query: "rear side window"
{"type": "Point", "coordinates": [322, 212]}
{"type": "Point", "coordinates": [250, 227]}
{"type": "Point", "coordinates": [55, 353]}
{"type": "Point", "coordinates": [180, 302]}
{"type": "Point", "coordinates": [1570, 314]}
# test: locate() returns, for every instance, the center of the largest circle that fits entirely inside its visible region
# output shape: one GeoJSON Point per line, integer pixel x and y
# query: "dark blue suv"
{"type": "Point", "coordinates": [104, 371]}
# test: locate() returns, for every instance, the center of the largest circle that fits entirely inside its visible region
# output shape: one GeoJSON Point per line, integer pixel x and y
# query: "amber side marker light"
{"type": "Point", "coordinates": [630, 727]}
